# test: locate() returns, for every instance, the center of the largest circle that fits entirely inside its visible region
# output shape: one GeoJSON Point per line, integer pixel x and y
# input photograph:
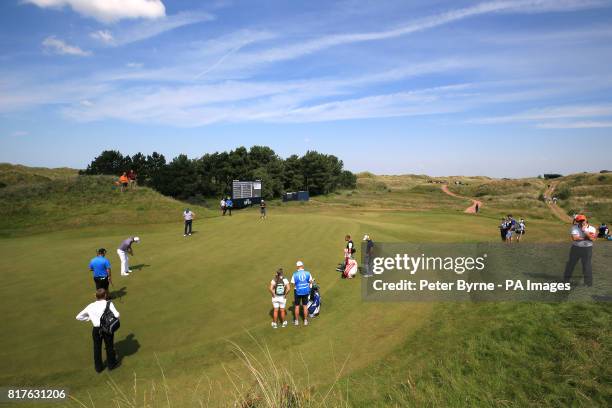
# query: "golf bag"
{"type": "Point", "coordinates": [350, 270]}
{"type": "Point", "coordinates": [314, 303]}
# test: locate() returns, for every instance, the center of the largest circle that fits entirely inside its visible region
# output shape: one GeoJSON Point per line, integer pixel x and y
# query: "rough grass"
{"type": "Point", "coordinates": [12, 174]}
{"type": "Point", "coordinates": [81, 201]}
{"type": "Point", "coordinates": [590, 194]}
{"type": "Point", "coordinates": [498, 355]}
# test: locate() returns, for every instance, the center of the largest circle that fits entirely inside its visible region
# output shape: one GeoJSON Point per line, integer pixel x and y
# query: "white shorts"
{"type": "Point", "coordinates": [279, 302]}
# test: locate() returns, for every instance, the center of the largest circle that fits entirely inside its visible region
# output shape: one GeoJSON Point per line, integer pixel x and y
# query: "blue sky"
{"type": "Point", "coordinates": [501, 87]}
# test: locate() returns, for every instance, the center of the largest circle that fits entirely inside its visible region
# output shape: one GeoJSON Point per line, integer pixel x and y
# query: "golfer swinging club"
{"type": "Point", "coordinates": [124, 249]}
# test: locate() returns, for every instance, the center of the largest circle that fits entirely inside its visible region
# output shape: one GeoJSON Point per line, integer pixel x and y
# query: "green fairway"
{"type": "Point", "coordinates": [189, 299]}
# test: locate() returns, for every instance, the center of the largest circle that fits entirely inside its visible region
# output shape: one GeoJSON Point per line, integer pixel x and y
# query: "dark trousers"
{"type": "Point", "coordinates": [101, 283]}
{"type": "Point", "coordinates": [583, 254]}
{"type": "Point", "coordinates": [229, 209]}
{"type": "Point", "coordinates": [111, 357]}
{"type": "Point", "coordinates": [188, 226]}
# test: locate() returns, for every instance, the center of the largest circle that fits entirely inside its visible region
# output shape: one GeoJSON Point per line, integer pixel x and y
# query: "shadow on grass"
{"type": "Point", "coordinates": [139, 267]}
{"type": "Point", "coordinates": [127, 347]}
{"type": "Point", "coordinates": [118, 294]}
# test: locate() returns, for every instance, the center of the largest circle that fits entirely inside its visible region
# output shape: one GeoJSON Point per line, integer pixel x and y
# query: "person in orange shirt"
{"type": "Point", "coordinates": [124, 181]}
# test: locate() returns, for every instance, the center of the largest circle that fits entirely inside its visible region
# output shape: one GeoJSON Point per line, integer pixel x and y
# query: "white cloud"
{"type": "Point", "coordinates": [500, 6]}
{"type": "Point", "coordinates": [58, 46]}
{"type": "Point", "coordinates": [104, 36]}
{"type": "Point", "coordinates": [19, 133]}
{"type": "Point", "coordinates": [575, 125]}
{"type": "Point", "coordinates": [554, 112]}
{"type": "Point", "coordinates": [148, 29]}
{"type": "Point", "coordinates": [108, 11]}
{"type": "Point", "coordinates": [134, 65]}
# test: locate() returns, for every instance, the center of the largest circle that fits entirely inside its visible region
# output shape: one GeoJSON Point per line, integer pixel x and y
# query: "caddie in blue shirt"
{"type": "Point", "coordinates": [101, 268]}
{"type": "Point", "coordinates": [302, 282]}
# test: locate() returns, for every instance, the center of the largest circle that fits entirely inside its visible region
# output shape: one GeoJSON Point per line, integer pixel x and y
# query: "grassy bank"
{"type": "Point", "coordinates": [81, 201]}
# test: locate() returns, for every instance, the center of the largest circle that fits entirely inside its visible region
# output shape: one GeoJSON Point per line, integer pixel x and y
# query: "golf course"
{"type": "Point", "coordinates": [195, 312]}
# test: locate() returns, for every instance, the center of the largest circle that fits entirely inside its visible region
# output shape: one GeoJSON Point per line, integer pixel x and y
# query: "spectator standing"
{"type": "Point", "coordinates": [582, 250]}
{"type": "Point", "coordinates": [132, 179]}
{"type": "Point", "coordinates": [604, 232]}
{"type": "Point", "coordinates": [223, 206]}
{"type": "Point", "coordinates": [520, 230]}
{"type": "Point", "coordinates": [93, 312]}
{"type": "Point", "coordinates": [511, 224]}
{"type": "Point", "coordinates": [368, 256]}
{"type": "Point", "coordinates": [503, 229]}
{"type": "Point", "coordinates": [124, 181]}
{"type": "Point", "coordinates": [188, 216]}
{"type": "Point", "coordinates": [229, 205]}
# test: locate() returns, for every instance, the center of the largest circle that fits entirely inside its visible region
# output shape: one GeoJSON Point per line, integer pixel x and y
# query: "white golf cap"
{"type": "Point", "coordinates": [366, 237]}
{"type": "Point", "coordinates": [299, 263]}
{"type": "Point", "coordinates": [136, 239]}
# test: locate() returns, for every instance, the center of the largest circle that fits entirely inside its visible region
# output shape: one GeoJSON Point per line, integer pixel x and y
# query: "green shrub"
{"type": "Point", "coordinates": [564, 193]}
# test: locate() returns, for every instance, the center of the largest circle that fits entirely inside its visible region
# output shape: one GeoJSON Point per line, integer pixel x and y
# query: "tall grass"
{"type": "Point", "coordinates": [260, 381]}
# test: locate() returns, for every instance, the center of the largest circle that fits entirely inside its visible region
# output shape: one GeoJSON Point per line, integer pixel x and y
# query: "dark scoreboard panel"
{"type": "Point", "coordinates": [246, 193]}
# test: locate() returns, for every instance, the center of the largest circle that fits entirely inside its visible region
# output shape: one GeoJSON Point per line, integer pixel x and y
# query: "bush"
{"type": "Point", "coordinates": [564, 193]}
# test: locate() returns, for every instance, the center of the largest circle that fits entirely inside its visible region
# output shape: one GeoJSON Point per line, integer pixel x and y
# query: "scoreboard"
{"type": "Point", "coordinates": [246, 193]}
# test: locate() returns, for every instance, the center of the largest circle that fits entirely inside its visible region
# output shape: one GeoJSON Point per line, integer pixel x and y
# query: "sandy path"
{"type": "Point", "coordinates": [558, 211]}
{"type": "Point", "coordinates": [471, 209]}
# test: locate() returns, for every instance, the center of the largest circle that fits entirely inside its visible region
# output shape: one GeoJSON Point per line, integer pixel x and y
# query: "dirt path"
{"type": "Point", "coordinates": [471, 209]}
{"type": "Point", "coordinates": [558, 211]}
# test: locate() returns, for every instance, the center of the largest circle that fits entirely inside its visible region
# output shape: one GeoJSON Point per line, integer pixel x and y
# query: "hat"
{"type": "Point", "coordinates": [580, 217]}
{"type": "Point", "coordinates": [299, 263]}
{"type": "Point", "coordinates": [136, 239]}
{"type": "Point", "coordinates": [366, 237]}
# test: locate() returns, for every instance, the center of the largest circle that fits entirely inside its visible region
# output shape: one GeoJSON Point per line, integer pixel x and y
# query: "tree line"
{"type": "Point", "coordinates": [212, 174]}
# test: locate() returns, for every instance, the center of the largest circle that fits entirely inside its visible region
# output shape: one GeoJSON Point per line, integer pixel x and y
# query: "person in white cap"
{"type": "Point", "coordinates": [367, 255]}
{"type": "Point", "coordinates": [302, 282]}
{"type": "Point", "coordinates": [124, 249]}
